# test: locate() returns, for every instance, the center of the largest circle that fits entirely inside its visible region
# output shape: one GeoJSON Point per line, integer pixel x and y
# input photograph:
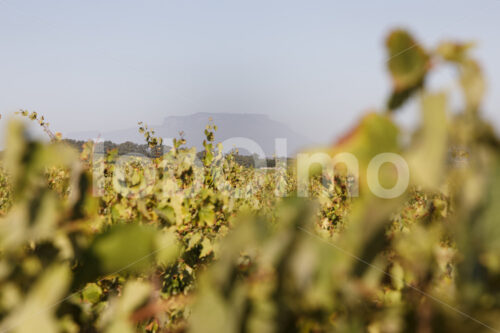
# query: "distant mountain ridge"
{"type": "Point", "coordinates": [257, 127]}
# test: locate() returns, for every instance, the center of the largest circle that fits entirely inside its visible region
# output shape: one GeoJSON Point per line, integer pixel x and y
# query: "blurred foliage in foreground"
{"type": "Point", "coordinates": [94, 243]}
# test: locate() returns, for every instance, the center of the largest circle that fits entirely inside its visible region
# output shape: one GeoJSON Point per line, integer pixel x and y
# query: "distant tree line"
{"type": "Point", "coordinates": [131, 148]}
{"type": "Point", "coordinates": [254, 160]}
{"type": "Point", "coordinates": [125, 148]}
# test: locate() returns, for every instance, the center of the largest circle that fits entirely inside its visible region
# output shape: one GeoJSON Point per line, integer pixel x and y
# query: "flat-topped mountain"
{"type": "Point", "coordinates": [258, 128]}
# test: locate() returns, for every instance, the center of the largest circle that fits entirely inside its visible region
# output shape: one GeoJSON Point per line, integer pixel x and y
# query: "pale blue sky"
{"type": "Point", "coordinates": [314, 65]}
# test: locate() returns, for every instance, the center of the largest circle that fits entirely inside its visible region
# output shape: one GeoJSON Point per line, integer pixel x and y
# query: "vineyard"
{"type": "Point", "coordinates": [93, 241]}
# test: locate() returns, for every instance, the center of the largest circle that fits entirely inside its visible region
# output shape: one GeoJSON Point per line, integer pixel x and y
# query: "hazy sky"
{"type": "Point", "coordinates": [314, 65]}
